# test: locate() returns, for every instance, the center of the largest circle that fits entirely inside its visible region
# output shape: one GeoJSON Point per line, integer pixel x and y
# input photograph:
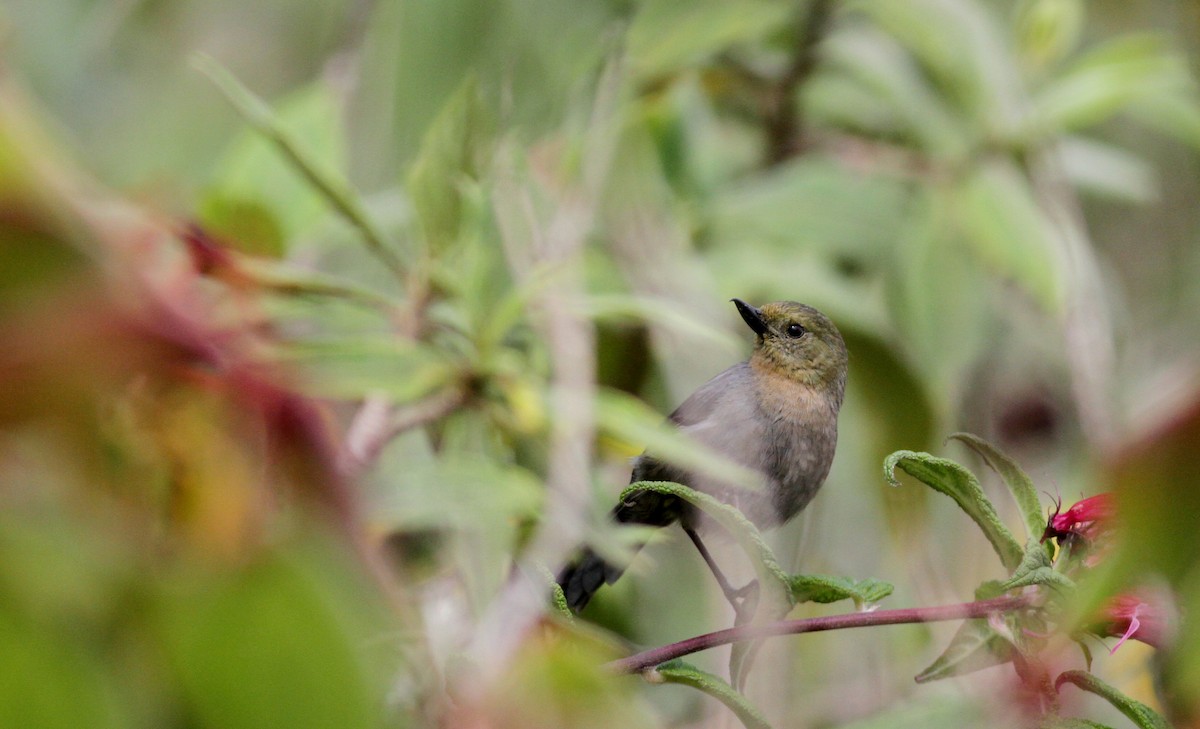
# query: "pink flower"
{"type": "Point", "coordinates": [1131, 616]}
{"type": "Point", "coordinates": [1085, 519]}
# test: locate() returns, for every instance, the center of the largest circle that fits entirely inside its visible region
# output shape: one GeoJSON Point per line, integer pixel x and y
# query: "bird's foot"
{"type": "Point", "coordinates": [744, 601]}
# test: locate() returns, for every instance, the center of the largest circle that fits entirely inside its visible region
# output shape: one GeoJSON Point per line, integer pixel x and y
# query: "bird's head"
{"type": "Point", "coordinates": [798, 342]}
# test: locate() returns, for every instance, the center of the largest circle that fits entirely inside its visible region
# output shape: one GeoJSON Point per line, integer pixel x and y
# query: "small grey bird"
{"type": "Point", "coordinates": [775, 414]}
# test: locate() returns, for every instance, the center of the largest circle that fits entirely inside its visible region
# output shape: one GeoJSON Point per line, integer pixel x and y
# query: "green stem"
{"type": "Point", "coordinates": [336, 192]}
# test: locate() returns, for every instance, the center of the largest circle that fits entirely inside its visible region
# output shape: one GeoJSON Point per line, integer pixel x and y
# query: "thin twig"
{"type": "Point", "coordinates": [376, 424]}
{"type": "Point", "coordinates": [335, 191]}
{"type": "Point", "coordinates": [980, 609]}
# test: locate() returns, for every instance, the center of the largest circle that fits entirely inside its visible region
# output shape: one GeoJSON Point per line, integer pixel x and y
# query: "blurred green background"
{"type": "Point", "coordinates": [204, 517]}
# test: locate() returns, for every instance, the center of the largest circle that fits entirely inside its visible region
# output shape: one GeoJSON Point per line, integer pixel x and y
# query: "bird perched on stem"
{"type": "Point", "coordinates": [775, 414]}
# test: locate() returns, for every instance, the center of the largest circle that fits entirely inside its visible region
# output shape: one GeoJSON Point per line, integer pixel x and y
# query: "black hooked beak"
{"type": "Point", "coordinates": [752, 315]}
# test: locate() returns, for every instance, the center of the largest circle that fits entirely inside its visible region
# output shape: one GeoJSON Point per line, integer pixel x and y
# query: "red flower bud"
{"type": "Point", "coordinates": [1084, 519]}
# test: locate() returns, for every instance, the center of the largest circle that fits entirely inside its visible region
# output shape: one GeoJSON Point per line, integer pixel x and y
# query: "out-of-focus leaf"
{"type": "Point", "coordinates": [451, 152]}
{"type": "Point", "coordinates": [1059, 722]}
{"type": "Point", "coordinates": [884, 72]}
{"type": "Point", "coordinates": [1047, 30]}
{"type": "Point", "coordinates": [1017, 481]}
{"type": "Point", "coordinates": [931, 266]}
{"type": "Point", "coordinates": [463, 493]}
{"type": "Point", "coordinates": [832, 588]}
{"type": "Point", "coordinates": [355, 368]}
{"type": "Point", "coordinates": [256, 198]}
{"type": "Point", "coordinates": [973, 648]}
{"type": "Point", "coordinates": [951, 479]}
{"type": "Point", "coordinates": [958, 46]}
{"type": "Point", "coordinates": [612, 307]}
{"type": "Point", "coordinates": [1003, 224]}
{"type": "Point", "coordinates": [832, 209]}
{"type": "Point", "coordinates": [1106, 79]}
{"type": "Point", "coordinates": [1136, 711]}
{"type": "Point", "coordinates": [267, 648]}
{"type": "Point", "coordinates": [975, 645]}
{"type": "Point", "coordinates": [48, 680]}
{"type": "Point", "coordinates": [330, 184]}
{"type": "Point", "coordinates": [1106, 170]}
{"type": "Point", "coordinates": [669, 34]}
{"type": "Point", "coordinates": [677, 671]}
{"type": "Point", "coordinates": [1176, 114]}
{"type": "Point", "coordinates": [558, 680]}
{"type": "Point", "coordinates": [625, 418]}
{"type": "Point", "coordinates": [945, 711]}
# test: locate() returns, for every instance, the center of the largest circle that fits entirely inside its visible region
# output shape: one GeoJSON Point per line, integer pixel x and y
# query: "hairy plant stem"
{"type": "Point", "coordinates": [979, 609]}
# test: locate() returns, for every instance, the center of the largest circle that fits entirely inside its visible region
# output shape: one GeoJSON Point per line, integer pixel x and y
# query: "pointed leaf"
{"type": "Point", "coordinates": [451, 153]}
{"type": "Point", "coordinates": [1136, 711]}
{"type": "Point", "coordinates": [958, 483]}
{"type": "Point", "coordinates": [772, 580]}
{"type": "Point", "coordinates": [677, 671]}
{"type": "Point", "coordinates": [1017, 481]}
{"type": "Point", "coordinates": [1058, 722]}
{"type": "Point", "coordinates": [973, 648]}
{"type": "Point", "coordinates": [831, 588]}
{"type": "Point", "coordinates": [1037, 569]}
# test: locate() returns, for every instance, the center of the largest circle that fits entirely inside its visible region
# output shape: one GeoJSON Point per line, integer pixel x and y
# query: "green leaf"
{"type": "Point", "coordinates": [1136, 711]}
{"type": "Point", "coordinates": [328, 183]}
{"type": "Point", "coordinates": [875, 64]}
{"type": "Point", "coordinates": [1059, 722]}
{"type": "Point", "coordinates": [1106, 80]}
{"type": "Point", "coordinates": [452, 152]}
{"type": "Point", "coordinates": [353, 368]}
{"type": "Point", "coordinates": [772, 580]}
{"type": "Point", "coordinates": [973, 648]}
{"type": "Point", "coordinates": [1004, 225]}
{"type": "Point", "coordinates": [1047, 30]}
{"type": "Point", "coordinates": [931, 266]}
{"type": "Point", "coordinates": [958, 483]}
{"type": "Point", "coordinates": [50, 680]}
{"type": "Point", "coordinates": [268, 648]}
{"type": "Point", "coordinates": [667, 35]}
{"type": "Point", "coordinates": [975, 645]}
{"type": "Point", "coordinates": [677, 671]}
{"type": "Point", "coordinates": [256, 197]}
{"type": "Point", "coordinates": [831, 588]}
{"type": "Point", "coordinates": [1037, 569]}
{"type": "Point", "coordinates": [1017, 481]}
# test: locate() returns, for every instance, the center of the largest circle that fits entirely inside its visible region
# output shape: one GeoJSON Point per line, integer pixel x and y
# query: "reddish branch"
{"type": "Point", "coordinates": [981, 609]}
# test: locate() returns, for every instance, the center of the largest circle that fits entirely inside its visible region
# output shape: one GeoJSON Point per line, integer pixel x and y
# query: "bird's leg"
{"type": "Point", "coordinates": [738, 597]}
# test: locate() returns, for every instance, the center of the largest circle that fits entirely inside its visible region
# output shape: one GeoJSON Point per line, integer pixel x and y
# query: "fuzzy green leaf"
{"type": "Point", "coordinates": [677, 671]}
{"type": "Point", "coordinates": [772, 580]}
{"type": "Point", "coordinates": [1136, 711]}
{"type": "Point", "coordinates": [973, 648]}
{"type": "Point", "coordinates": [958, 483]}
{"type": "Point", "coordinates": [1016, 479]}
{"type": "Point", "coordinates": [451, 152]}
{"type": "Point", "coordinates": [831, 588]}
{"type": "Point", "coordinates": [1058, 722]}
{"type": "Point", "coordinates": [1037, 569]}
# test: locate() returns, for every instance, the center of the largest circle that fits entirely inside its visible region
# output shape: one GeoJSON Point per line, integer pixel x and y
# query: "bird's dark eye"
{"type": "Point", "coordinates": [795, 331]}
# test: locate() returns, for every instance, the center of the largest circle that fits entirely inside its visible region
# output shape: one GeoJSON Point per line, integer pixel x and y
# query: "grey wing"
{"type": "Point", "coordinates": [704, 401]}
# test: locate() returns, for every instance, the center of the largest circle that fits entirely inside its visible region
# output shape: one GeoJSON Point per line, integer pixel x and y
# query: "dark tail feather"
{"type": "Point", "coordinates": [580, 579]}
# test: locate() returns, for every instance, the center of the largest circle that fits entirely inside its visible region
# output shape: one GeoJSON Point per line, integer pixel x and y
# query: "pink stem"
{"type": "Point", "coordinates": [980, 609]}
